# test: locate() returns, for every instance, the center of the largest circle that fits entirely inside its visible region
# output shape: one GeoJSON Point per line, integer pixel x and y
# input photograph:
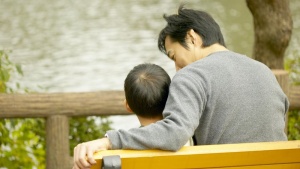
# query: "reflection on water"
{"type": "Point", "coordinates": [73, 46]}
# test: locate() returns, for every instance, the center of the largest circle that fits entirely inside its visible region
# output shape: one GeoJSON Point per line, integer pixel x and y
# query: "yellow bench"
{"type": "Point", "coordinates": [263, 155]}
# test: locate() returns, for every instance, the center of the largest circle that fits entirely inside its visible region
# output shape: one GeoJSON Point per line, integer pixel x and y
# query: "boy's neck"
{"type": "Point", "coordinates": [146, 121]}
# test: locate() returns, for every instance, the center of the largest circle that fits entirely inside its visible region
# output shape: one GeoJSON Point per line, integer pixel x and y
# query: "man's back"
{"type": "Point", "coordinates": [243, 103]}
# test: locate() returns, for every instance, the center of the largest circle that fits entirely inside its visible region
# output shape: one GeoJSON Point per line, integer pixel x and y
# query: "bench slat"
{"type": "Point", "coordinates": [230, 156]}
{"type": "Point", "coordinates": [275, 166]}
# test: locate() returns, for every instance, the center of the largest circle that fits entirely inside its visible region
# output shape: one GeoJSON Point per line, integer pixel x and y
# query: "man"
{"type": "Point", "coordinates": [219, 96]}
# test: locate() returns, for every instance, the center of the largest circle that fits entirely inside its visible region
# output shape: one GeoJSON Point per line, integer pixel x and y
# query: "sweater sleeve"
{"type": "Point", "coordinates": [183, 109]}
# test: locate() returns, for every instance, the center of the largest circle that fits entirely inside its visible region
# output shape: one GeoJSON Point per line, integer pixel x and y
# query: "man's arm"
{"type": "Point", "coordinates": [182, 112]}
{"type": "Point", "coordinates": [83, 153]}
{"type": "Point", "coordinates": [185, 103]}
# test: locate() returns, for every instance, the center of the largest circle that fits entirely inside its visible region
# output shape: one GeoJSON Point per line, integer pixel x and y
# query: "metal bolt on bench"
{"type": "Point", "coordinates": [111, 162]}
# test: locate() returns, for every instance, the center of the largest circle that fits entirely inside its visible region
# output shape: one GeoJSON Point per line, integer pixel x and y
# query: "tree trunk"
{"type": "Point", "coordinates": [273, 28]}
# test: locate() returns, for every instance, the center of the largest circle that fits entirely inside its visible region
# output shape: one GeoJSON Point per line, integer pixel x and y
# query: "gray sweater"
{"type": "Point", "coordinates": [223, 98]}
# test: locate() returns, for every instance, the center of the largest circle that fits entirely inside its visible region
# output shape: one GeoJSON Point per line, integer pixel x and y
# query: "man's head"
{"type": "Point", "coordinates": [146, 89]}
{"type": "Point", "coordinates": [179, 24]}
{"type": "Point", "coordinates": [189, 29]}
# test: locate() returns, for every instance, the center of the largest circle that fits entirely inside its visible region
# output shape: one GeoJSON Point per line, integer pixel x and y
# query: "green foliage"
{"type": "Point", "coordinates": [21, 144]}
{"type": "Point", "coordinates": [22, 141]}
{"type": "Point", "coordinates": [294, 125]}
{"type": "Point", "coordinates": [6, 69]}
{"type": "Point", "coordinates": [84, 129]}
{"type": "Point", "coordinates": [292, 65]}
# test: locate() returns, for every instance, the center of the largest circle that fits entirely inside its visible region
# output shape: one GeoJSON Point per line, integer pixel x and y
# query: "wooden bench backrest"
{"type": "Point", "coordinates": [264, 155]}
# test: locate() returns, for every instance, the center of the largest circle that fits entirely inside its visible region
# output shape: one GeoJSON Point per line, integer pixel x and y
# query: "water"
{"type": "Point", "coordinates": [75, 46]}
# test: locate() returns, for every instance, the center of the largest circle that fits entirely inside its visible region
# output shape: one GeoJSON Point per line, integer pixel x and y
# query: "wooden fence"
{"type": "Point", "coordinates": [58, 107]}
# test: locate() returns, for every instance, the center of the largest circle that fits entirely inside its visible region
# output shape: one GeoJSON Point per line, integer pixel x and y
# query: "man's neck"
{"type": "Point", "coordinates": [212, 49]}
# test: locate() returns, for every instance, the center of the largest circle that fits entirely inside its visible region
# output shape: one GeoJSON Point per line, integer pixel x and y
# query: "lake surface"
{"type": "Point", "coordinates": [85, 46]}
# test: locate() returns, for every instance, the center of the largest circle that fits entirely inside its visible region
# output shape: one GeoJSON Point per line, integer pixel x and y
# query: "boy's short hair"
{"type": "Point", "coordinates": [146, 89]}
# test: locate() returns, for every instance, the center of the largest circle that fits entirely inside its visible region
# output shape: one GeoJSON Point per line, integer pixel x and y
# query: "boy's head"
{"type": "Point", "coordinates": [146, 90]}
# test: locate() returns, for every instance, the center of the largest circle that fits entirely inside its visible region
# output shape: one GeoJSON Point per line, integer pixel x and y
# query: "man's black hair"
{"type": "Point", "coordinates": [179, 24]}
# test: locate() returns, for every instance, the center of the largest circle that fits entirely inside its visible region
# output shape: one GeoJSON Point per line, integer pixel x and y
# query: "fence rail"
{"type": "Point", "coordinates": [57, 107]}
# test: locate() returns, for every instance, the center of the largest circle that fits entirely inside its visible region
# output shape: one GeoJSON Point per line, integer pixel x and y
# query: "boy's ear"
{"type": "Point", "coordinates": [127, 106]}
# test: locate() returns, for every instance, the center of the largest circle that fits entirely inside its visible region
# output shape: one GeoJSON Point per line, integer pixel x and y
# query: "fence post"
{"type": "Point", "coordinates": [57, 142]}
{"type": "Point", "coordinates": [282, 77]}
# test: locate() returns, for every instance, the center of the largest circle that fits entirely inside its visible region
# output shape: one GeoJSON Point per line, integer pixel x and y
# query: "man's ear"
{"type": "Point", "coordinates": [193, 38]}
{"type": "Point", "coordinates": [127, 106]}
{"type": "Point", "coordinates": [190, 36]}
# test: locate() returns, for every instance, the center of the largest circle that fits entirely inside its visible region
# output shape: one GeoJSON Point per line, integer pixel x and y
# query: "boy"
{"type": "Point", "coordinates": [146, 91]}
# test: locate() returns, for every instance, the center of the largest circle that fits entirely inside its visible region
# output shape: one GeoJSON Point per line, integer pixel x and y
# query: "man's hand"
{"type": "Point", "coordinates": [83, 153]}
